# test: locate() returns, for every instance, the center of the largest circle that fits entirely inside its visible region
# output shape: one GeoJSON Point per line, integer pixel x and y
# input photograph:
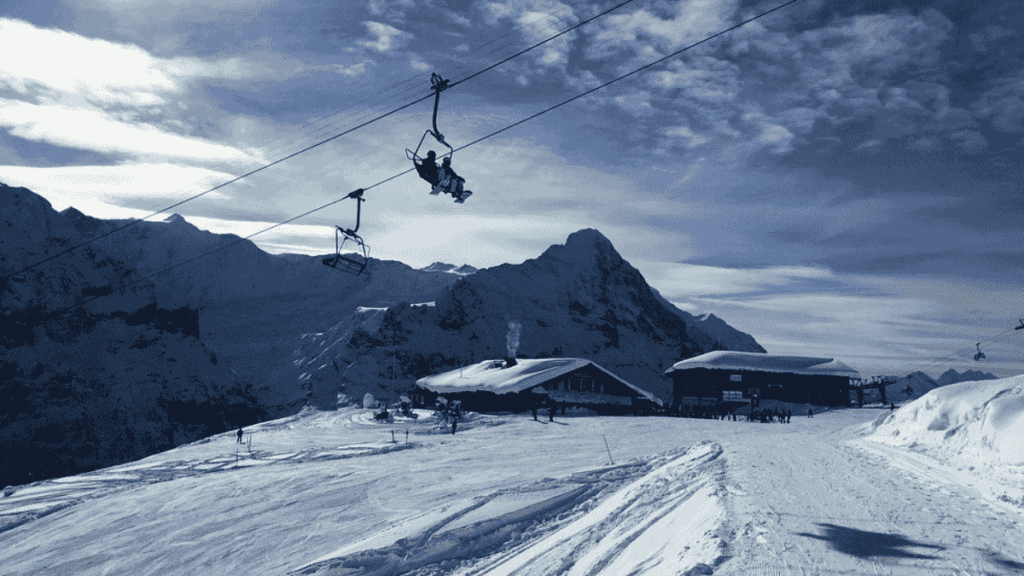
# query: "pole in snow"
{"type": "Point", "coordinates": [608, 449]}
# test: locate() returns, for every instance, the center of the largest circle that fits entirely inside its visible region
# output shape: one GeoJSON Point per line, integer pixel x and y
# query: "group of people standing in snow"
{"type": "Point", "coordinates": [720, 413]}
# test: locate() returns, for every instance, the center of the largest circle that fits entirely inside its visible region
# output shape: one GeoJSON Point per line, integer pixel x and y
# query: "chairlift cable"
{"type": "Point", "coordinates": [961, 354]}
{"type": "Point", "coordinates": [562, 33]}
{"type": "Point", "coordinates": [219, 248]}
{"type": "Point", "coordinates": [478, 140]}
{"type": "Point", "coordinates": [408, 80]}
{"type": "Point", "coordinates": [133, 222]}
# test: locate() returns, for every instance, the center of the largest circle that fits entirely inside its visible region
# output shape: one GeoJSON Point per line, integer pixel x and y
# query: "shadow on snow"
{"type": "Point", "coordinates": [864, 544]}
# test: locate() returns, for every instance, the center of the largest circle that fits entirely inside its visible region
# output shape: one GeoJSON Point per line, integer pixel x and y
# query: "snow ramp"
{"type": "Point", "coordinates": [660, 516]}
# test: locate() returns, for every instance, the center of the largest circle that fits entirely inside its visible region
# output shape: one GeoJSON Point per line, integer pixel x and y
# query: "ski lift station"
{"type": "Point", "coordinates": [513, 385]}
{"type": "Point", "coordinates": [739, 377]}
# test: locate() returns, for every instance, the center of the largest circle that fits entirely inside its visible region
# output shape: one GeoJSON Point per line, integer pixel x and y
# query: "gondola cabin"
{"type": "Point", "coordinates": [739, 377]}
{"type": "Point", "coordinates": [517, 385]}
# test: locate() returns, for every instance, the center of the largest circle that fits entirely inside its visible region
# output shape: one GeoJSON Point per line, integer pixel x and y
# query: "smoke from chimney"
{"type": "Point", "coordinates": [512, 338]}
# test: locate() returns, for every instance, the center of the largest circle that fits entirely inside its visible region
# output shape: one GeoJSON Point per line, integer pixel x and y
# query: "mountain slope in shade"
{"type": "Point", "coordinates": [580, 299]}
{"type": "Point", "coordinates": [87, 384]}
{"type": "Point", "coordinates": [255, 307]}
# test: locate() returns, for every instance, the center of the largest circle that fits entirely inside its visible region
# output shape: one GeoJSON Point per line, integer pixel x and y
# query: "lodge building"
{"type": "Point", "coordinates": [517, 385]}
{"type": "Point", "coordinates": [726, 377]}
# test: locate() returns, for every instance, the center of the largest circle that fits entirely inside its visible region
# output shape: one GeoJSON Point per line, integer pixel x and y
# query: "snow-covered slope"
{"type": "Point", "coordinates": [980, 422]}
{"type": "Point", "coordinates": [87, 384]}
{"type": "Point", "coordinates": [976, 427]}
{"type": "Point", "coordinates": [331, 493]}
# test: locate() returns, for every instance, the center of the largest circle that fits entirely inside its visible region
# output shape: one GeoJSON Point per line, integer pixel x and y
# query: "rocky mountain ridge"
{"type": "Point", "coordinates": [94, 371]}
{"type": "Point", "coordinates": [580, 299]}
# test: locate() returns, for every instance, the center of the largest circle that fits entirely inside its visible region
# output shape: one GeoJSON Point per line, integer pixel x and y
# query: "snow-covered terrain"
{"type": "Point", "coordinates": [975, 427]}
{"type": "Point", "coordinates": [338, 493]}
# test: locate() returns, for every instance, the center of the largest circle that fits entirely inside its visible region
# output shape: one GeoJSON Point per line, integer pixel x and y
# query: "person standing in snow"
{"type": "Point", "coordinates": [240, 432]}
{"type": "Point", "coordinates": [810, 413]}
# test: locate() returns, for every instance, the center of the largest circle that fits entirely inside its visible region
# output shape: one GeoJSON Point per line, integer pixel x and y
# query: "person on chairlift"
{"type": "Point", "coordinates": [427, 168]}
{"type": "Point", "coordinates": [455, 181]}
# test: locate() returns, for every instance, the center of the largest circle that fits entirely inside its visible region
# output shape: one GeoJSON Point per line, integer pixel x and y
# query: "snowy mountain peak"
{"type": "Point", "coordinates": [463, 270]}
{"type": "Point", "coordinates": [584, 248]}
{"type": "Point", "coordinates": [175, 219]}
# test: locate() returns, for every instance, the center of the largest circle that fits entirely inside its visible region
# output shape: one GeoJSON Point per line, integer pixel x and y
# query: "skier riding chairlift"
{"type": "Point", "coordinates": [351, 254]}
{"type": "Point", "coordinates": [980, 355]}
{"type": "Point", "coordinates": [441, 179]}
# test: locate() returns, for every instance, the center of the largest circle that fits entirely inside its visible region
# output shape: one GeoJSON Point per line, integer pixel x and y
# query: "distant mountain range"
{"type": "Point", "coordinates": [165, 353]}
{"type": "Point", "coordinates": [917, 384]}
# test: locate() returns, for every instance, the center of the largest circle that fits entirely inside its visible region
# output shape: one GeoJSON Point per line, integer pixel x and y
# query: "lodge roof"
{"type": "Point", "coordinates": [752, 361]}
{"type": "Point", "coordinates": [492, 376]}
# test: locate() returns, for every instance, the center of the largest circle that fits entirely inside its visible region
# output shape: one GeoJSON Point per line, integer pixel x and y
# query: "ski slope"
{"type": "Point", "coordinates": [331, 493]}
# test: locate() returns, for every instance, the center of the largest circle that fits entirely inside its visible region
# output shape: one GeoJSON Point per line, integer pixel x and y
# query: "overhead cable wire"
{"type": "Point", "coordinates": [961, 354]}
{"type": "Point", "coordinates": [315, 145]}
{"type": "Point", "coordinates": [314, 131]}
{"type": "Point", "coordinates": [478, 140]}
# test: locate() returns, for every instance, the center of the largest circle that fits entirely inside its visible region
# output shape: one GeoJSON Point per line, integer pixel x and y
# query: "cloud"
{"type": "Point", "coordinates": [705, 79]}
{"type": "Point", "coordinates": [108, 191]}
{"type": "Point", "coordinates": [869, 147]}
{"type": "Point", "coordinates": [353, 69]}
{"type": "Point", "coordinates": [386, 37]}
{"type": "Point", "coordinates": [537, 20]}
{"type": "Point", "coordinates": [88, 128]}
{"type": "Point", "coordinates": [1004, 104]}
{"type": "Point", "coordinates": [690, 138]}
{"type": "Point", "coordinates": [96, 95]}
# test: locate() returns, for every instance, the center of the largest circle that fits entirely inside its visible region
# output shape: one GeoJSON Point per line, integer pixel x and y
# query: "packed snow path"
{"type": "Point", "coordinates": [329, 494]}
{"type": "Point", "coordinates": [821, 504]}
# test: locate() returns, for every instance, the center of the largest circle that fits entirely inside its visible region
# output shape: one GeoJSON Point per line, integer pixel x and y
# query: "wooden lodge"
{"type": "Point", "coordinates": [725, 377]}
{"type": "Point", "coordinates": [513, 385]}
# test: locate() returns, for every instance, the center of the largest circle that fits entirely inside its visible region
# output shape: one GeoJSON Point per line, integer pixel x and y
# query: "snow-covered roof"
{"type": "Point", "coordinates": [728, 360]}
{"type": "Point", "coordinates": [490, 376]}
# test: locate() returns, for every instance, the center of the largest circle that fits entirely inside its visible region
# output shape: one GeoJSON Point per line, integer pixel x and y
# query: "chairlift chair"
{"type": "Point", "coordinates": [351, 254]}
{"type": "Point", "coordinates": [451, 183]}
{"type": "Point", "coordinates": [1021, 327]}
{"type": "Point", "coordinates": [980, 355]}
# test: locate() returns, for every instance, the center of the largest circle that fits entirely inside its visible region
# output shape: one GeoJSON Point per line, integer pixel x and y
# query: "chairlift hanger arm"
{"type": "Point", "coordinates": [438, 84]}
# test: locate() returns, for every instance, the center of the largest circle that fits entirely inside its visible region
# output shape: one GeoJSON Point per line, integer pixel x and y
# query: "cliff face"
{"type": "Point", "coordinates": [94, 372]}
{"type": "Point", "coordinates": [580, 299]}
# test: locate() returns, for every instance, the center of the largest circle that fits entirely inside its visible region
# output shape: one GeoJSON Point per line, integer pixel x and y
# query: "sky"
{"type": "Point", "coordinates": [838, 179]}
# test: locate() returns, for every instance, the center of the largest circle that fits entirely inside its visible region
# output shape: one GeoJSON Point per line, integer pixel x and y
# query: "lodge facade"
{"type": "Point", "coordinates": [520, 385]}
{"type": "Point", "coordinates": [745, 378]}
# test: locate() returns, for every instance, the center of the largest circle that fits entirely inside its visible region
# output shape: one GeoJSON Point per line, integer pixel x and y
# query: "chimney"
{"type": "Point", "coordinates": [510, 362]}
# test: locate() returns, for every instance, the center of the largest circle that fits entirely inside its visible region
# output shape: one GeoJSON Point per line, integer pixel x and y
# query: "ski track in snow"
{"type": "Point", "coordinates": [606, 520]}
{"type": "Point", "coordinates": [44, 498]}
{"type": "Point", "coordinates": [329, 494]}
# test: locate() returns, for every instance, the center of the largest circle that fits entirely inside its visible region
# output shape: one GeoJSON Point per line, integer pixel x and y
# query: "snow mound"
{"type": "Point", "coordinates": [978, 422]}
